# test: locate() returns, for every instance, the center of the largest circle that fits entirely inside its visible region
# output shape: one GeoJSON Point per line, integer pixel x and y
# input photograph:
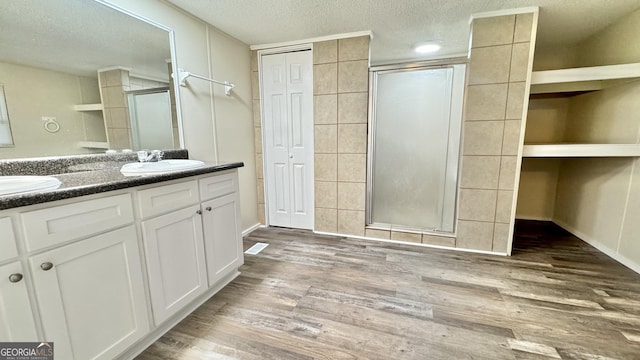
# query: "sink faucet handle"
{"type": "Point", "coordinates": [158, 154]}
{"type": "Point", "coordinates": [142, 155]}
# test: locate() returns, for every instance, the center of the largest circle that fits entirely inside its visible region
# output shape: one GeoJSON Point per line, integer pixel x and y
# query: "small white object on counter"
{"type": "Point", "coordinates": [10, 185]}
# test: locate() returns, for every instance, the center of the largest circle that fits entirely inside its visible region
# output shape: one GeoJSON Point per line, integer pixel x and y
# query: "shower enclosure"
{"type": "Point", "coordinates": [414, 141]}
{"type": "Point", "coordinates": [150, 116]}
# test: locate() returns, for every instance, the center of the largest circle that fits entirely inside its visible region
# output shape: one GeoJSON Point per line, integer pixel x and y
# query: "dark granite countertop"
{"type": "Point", "coordinates": [96, 178]}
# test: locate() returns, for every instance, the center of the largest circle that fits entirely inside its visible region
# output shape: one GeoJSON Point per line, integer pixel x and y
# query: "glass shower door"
{"type": "Point", "coordinates": [414, 148]}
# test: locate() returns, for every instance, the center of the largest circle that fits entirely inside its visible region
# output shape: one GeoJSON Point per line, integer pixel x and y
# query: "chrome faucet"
{"type": "Point", "coordinates": [153, 156]}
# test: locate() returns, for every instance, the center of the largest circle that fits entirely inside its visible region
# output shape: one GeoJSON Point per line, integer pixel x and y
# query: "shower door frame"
{"type": "Point", "coordinates": [416, 66]}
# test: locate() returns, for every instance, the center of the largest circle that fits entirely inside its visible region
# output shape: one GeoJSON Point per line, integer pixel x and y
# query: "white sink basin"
{"type": "Point", "coordinates": [10, 185]}
{"type": "Point", "coordinates": [162, 166]}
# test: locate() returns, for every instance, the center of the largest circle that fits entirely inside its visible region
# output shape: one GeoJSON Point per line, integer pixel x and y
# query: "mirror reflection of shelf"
{"type": "Point", "coordinates": [94, 144]}
{"type": "Point", "coordinates": [583, 79]}
{"type": "Point", "coordinates": [88, 107]}
{"type": "Point", "coordinates": [581, 150]}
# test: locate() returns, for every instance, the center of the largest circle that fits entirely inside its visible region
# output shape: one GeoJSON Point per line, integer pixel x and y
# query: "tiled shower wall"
{"type": "Point", "coordinates": [113, 84]}
{"type": "Point", "coordinates": [495, 96]}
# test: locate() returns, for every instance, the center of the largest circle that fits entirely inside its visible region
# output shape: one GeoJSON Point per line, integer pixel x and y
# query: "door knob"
{"type": "Point", "coordinates": [290, 156]}
{"type": "Point", "coordinates": [14, 278]}
{"type": "Point", "coordinates": [46, 266]}
{"type": "Point", "coordinates": [199, 212]}
{"type": "Point", "coordinates": [208, 208]}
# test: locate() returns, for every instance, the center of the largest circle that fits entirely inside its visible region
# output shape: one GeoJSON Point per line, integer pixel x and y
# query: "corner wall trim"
{"type": "Point", "coordinates": [251, 229]}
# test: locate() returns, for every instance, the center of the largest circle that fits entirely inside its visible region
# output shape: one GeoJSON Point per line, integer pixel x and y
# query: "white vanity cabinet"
{"type": "Point", "coordinates": [90, 293]}
{"type": "Point", "coordinates": [174, 246]}
{"type": "Point", "coordinates": [221, 223]}
{"type": "Point", "coordinates": [16, 315]}
{"type": "Point", "coordinates": [73, 271]}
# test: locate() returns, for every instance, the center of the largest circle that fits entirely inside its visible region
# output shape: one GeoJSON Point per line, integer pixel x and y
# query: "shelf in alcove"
{"type": "Point", "coordinates": [94, 144]}
{"type": "Point", "coordinates": [578, 80]}
{"type": "Point", "coordinates": [581, 150]}
{"type": "Point", "coordinates": [88, 107]}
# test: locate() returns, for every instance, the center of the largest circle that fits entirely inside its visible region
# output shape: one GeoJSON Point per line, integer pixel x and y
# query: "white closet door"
{"type": "Point", "coordinates": [287, 93]}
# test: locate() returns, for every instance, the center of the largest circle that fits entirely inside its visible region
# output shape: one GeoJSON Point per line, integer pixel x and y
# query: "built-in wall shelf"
{"type": "Point", "coordinates": [583, 79]}
{"type": "Point", "coordinates": [88, 107]}
{"type": "Point", "coordinates": [582, 150]}
{"type": "Point", "coordinates": [94, 144]}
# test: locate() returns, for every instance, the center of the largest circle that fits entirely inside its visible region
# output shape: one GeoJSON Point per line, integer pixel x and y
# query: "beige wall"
{"type": "Point", "coordinates": [229, 61]}
{"type": "Point", "coordinates": [596, 198]}
{"type": "Point", "coordinates": [55, 96]}
{"type": "Point", "coordinates": [616, 44]}
{"type": "Point", "coordinates": [234, 117]}
{"type": "Point", "coordinates": [546, 121]}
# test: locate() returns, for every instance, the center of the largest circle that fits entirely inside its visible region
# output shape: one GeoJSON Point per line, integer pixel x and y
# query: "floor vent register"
{"type": "Point", "coordinates": [255, 249]}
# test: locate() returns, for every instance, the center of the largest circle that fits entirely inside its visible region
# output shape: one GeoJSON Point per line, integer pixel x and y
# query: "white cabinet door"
{"type": "Point", "coordinates": [16, 317]}
{"type": "Point", "coordinates": [91, 296]}
{"type": "Point", "coordinates": [223, 242]}
{"type": "Point", "coordinates": [175, 260]}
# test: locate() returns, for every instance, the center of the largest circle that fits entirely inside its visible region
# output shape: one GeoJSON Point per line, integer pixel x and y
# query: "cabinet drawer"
{"type": "Point", "coordinates": [218, 185]}
{"type": "Point", "coordinates": [58, 224]}
{"type": "Point", "coordinates": [162, 199]}
{"type": "Point", "coordinates": [8, 248]}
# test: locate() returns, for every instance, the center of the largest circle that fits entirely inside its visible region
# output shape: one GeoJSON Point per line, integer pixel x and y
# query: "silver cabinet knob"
{"type": "Point", "coordinates": [208, 208]}
{"type": "Point", "coordinates": [46, 266]}
{"type": "Point", "coordinates": [14, 278]}
{"type": "Point", "coordinates": [290, 156]}
{"type": "Point", "coordinates": [199, 212]}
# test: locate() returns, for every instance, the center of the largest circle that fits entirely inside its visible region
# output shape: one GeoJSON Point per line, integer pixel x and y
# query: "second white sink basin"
{"type": "Point", "coordinates": [162, 166]}
{"type": "Point", "coordinates": [10, 185]}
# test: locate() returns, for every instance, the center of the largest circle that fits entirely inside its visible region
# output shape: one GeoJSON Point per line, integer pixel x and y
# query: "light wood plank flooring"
{"type": "Point", "coordinates": [318, 297]}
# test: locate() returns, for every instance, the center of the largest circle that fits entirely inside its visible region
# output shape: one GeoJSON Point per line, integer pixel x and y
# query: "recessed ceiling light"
{"type": "Point", "coordinates": [425, 48]}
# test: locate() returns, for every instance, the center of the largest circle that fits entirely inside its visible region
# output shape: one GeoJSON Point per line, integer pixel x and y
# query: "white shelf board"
{"type": "Point", "coordinates": [88, 107]}
{"type": "Point", "coordinates": [582, 150]}
{"type": "Point", "coordinates": [94, 144]}
{"type": "Point", "coordinates": [583, 79]}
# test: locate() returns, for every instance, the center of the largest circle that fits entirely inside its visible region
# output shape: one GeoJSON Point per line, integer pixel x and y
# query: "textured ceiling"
{"type": "Point", "coordinates": [79, 37]}
{"type": "Point", "coordinates": [398, 24]}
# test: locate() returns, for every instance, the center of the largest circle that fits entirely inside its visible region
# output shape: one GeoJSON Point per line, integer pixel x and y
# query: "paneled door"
{"type": "Point", "coordinates": [287, 93]}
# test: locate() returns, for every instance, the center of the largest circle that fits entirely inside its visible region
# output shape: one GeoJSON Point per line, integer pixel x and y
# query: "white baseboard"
{"type": "Point", "coordinates": [411, 243]}
{"type": "Point", "coordinates": [598, 245]}
{"type": "Point", "coordinates": [251, 229]}
{"type": "Point", "coordinates": [535, 218]}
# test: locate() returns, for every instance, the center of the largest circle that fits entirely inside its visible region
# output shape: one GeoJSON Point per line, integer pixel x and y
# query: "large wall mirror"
{"type": "Point", "coordinates": [80, 77]}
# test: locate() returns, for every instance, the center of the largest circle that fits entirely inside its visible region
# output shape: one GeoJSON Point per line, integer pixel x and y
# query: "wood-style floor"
{"type": "Point", "coordinates": [318, 297]}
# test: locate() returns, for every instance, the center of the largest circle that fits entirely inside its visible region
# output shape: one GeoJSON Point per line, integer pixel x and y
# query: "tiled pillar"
{"type": "Point", "coordinates": [113, 84]}
{"type": "Point", "coordinates": [495, 96]}
{"type": "Point", "coordinates": [341, 84]}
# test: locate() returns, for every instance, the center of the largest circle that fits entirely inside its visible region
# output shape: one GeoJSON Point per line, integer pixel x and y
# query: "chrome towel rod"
{"type": "Point", "coordinates": [183, 75]}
